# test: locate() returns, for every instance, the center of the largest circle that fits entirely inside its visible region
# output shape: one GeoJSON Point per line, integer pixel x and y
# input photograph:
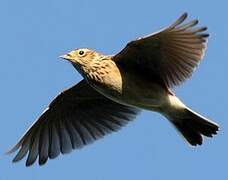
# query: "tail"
{"type": "Point", "coordinates": [190, 124]}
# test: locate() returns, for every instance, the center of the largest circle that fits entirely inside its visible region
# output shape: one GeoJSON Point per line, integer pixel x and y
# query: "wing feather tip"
{"type": "Point", "coordinates": [194, 22]}
{"type": "Point", "coordinates": [29, 163]}
{"type": "Point", "coordinates": [15, 160]}
{"type": "Point", "coordinates": [18, 157]}
{"type": "Point", "coordinates": [184, 15]}
{"type": "Point", "coordinates": [179, 20]}
{"type": "Point", "coordinates": [13, 149]}
{"type": "Point", "coordinates": [42, 161]}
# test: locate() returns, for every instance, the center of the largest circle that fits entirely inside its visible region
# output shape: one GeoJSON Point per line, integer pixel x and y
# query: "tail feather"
{"type": "Point", "coordinates": [193, 126]}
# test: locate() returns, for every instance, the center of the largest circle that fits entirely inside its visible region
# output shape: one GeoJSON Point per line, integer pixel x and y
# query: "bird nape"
{"type": "Point", "coordinates": [116, 88]}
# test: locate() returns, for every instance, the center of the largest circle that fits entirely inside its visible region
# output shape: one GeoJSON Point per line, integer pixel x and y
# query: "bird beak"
{"type": "Point", "coordinates": [66, 57]}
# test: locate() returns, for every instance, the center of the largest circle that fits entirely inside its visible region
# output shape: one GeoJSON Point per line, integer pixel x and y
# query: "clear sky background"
{"type": "Point", "coordinates": [34, 33]}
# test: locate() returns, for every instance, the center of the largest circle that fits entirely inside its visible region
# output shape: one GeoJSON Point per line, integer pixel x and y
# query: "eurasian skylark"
{"type": "Point", "coordinates": [114, 90]}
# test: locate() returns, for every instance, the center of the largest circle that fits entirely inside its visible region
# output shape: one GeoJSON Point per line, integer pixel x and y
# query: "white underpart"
{"type": "Point", "coordinates": [175, 102]}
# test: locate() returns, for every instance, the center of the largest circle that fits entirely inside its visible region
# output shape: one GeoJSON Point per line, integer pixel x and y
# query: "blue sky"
{"type": "Point", "coordinates": [33, 35]}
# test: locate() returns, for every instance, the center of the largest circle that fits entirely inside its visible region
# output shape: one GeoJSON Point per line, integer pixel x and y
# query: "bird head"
{"type": "Point", "coordinates": [82, 59]}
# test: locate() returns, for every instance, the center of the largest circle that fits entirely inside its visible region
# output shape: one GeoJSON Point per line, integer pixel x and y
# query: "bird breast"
{"type": "Point", "coordinates": [126, 88]}
{"type": "Point", "coordinates": [106, 77]}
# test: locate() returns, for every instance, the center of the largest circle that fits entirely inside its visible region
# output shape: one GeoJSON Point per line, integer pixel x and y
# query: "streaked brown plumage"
{"type": "Point", "coordinates": [114, 90]}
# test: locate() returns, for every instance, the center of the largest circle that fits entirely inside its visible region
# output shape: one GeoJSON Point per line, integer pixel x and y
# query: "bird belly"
{"type": "Point", "coordinates": [133, 91]}
{"type": "Point", "coordinates": [143, 94]}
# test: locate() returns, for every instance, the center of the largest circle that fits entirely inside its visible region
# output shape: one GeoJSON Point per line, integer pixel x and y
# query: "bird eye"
{"type": "Point", "coordinates": [81, 52]}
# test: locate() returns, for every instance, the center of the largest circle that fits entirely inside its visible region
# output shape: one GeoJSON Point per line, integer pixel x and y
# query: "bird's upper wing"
{"type": "Point", "coordinates": [168, 56]}
{"type": "Point", "coordinates": [76, 117]}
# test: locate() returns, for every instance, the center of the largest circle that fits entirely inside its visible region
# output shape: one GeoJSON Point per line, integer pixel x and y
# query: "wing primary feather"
{"type": "Point", "coordinates": [78, 141]}
{"type": "Point", "coordinates": [54, 141]}
{"type": "Point", "coordinates": [198, 30]}
{"type": "Point", "coordinates": [178, 21]}
{"type": "Point", "coordinates": [89, 129]}
{"type": "Point", "coordinates": [23, 151]}
{"type": "Point", "coordinates": [78, 129]}
{"type": "Point", "coordinates": [188, 25]}
{"type": "Point", "coordinates": [99, 127]}
{"type": "Point", "coordinates": [44, 144]}
{"type": "Point", "coordinates": [65, 141]}
{"type": "Point", "coordinates": [34, 149]}
{"type": "Point", "coordinates": [71, 132]}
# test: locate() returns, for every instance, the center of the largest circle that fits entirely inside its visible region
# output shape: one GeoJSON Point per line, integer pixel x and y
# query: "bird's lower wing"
{"type": "Point", "coordinates": [76, 117]}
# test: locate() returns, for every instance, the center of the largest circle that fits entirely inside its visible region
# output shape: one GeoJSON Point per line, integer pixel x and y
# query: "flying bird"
{"type": "Point", "coordinates": [116, 88]}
